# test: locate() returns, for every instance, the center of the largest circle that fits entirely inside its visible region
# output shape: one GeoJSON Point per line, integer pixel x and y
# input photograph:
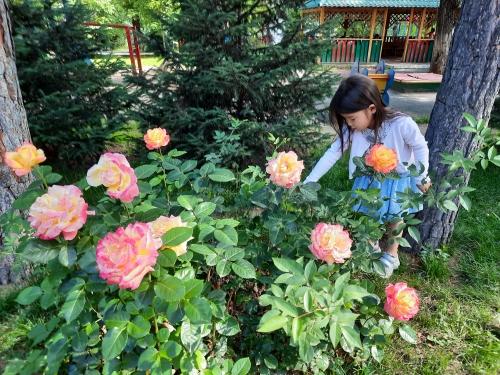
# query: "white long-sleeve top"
{"type": "Point", "coordinates": [401, 134]}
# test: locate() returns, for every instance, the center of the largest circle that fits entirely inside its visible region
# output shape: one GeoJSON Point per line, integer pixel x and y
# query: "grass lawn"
{"type": "Point", "coordinates": [147, 61]}
{"type": "Point", "coordinates": [458, 325]}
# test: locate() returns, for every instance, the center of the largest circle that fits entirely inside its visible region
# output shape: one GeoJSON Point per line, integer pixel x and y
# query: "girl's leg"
{"type": "Point", "coordinates": [390, 247]}
{"type": "Point", "coordinates": [392, 244]}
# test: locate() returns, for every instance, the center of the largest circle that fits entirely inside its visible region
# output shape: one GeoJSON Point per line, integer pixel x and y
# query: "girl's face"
{"type": "Point", "coordinates": [360, 120]}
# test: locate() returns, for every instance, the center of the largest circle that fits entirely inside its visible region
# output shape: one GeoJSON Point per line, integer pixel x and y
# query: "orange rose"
{"type": "Point", "coordinates": [156, 138]}
{"type": "Point", "coordinates": [382, 159]}
{"type": "Point", "coordinates": [402, 302]}
{"type": "Point", "coordinates": [24, 159]}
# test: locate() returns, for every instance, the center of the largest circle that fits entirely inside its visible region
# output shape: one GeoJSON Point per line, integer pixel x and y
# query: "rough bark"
{"type": "Point", "coordinates": [470, 84]}
{"type": "Point", "coordinates": [13, 127]}
{"type": "Point", "coordinates": [448, 13]}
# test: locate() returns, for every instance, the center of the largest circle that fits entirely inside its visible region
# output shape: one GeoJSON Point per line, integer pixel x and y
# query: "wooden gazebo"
{"type": "Point", "coordinates": [368, 30]}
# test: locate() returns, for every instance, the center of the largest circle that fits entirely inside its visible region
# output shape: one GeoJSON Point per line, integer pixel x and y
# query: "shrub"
{"type": "Point", "coordinates": [180, 265]}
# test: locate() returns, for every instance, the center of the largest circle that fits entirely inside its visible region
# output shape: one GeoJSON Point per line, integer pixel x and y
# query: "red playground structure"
{"type": "Point", "coordinates": [134, 51]}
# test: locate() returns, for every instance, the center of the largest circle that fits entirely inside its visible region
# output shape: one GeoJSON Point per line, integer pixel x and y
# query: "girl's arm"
{"type": "Point", "coordinates": [414, 138]}
{"type": "Point", "coordinates": [328, 160]}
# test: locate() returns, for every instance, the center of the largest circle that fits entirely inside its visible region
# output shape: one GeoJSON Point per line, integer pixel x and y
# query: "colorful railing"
{"type": "Point", "coordinates": [419, 50]}
{"type": "Point", "coordinates": [350, 50]}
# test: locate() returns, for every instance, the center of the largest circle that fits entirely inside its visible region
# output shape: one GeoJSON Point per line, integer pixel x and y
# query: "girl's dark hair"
{"type": "Point", "coordinates": [354, 94]}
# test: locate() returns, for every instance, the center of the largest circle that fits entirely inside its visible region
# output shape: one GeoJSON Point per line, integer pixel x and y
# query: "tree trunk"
{"type": "Point", "coordinates": [448, 13]}
{"type": "Point", "coordinates": [470, 84]}
{"type": "Point", "coordinates": [13, 127]}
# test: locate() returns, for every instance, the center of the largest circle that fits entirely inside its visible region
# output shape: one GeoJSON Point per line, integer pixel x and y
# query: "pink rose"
{"type": "Point", "coordinates": [163, 224]}
{"type": "Point", "coordinates": [61, 210]}
{"type": "Point", "coordinates": [125, 256]}
{"type": "Point", "coordinates": [331, 243]}
{"type": "Point", "coordinates": [114, 172]}
{"type": "Point", "coordinates": [285, 169]}
{"type": "Point", "coordinates": [156, 138]}
{"type": "Point", "coordinates": [24, 159]}
{"type": "Point", "coordinates": [402, 302]}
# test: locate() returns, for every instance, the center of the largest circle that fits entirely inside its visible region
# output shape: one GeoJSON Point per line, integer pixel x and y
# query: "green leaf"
{"type": "Point", "coordinates": [241, 367]}
{"type": "Point", "coordinates": [244, 269]}
{"type": "Point", "coordinates": [351, 335]}
{"type": "Point", "coordinates": [139, 327]}
{"type": "Point", "coordinates": [172, 349]}
{"type": "Point", "coordinates": [408, 334]}
{"type": "Point", "coordinates": [228, 327]}
{"type": "Point", "coordinates": [403, 242]}
{"type": "Point", "coordinates": [188, 201]}
{"type": "Point", "coordinates": [308, 301]}
{"type": "Point", "coordinates": [377, 353]}
{"type": "Point", "coordinates": [198, 311]}
{"type": "Point", "coordinates": [223, 268]}
{"type": "Point", "coordinates": [334, 332]}
{"type": "Point", "coordinates": [205, 209]}
{"type": "Point", "coordinates": [414, 233]}
{"type": "Point", "coordinates": [29, 295]}
{"type": "Point", "coordinates": [73, 306]}
{"type": "Point", "coordinates": [201, 249]}
{"type": "Point", "coordinates": [221, 175]}
{"type": "Point", "coordinates": [39, 252]}
{"type": "Point", "coordinates": [296, 328]}
{"type": "Point", "coordinates": [147, 359]}
{"type": "Point", "coordinates": [470, 119]}
{"type": "Point", "coordinates": [176, 236]}
{"type": "Point", "coordinates": [286, 307]}
{"type": "Point", "coordinates": [288, 265]}
{"type": "Point", "coordinates": [310, 191]}
{"type": "Point", "coordinates": [310, 270]}
{"type": "Point", "coordinates": [273, 323]}
{"type": "Point", "coordinates": [354, 292]}
{"type": "Point", "coordinates": [193, 287]}
{"type": "Point", "coordinates": [188, 165]}
{"type": "Point", "coordinates": [145, 171]}
{"type": "Point", "coordinates": [26, 199]}
{"type": "Point", "coordinates": [190, 336]}
{"type": "Point", "coordinates": [450, 205]}
{"type": "Point", "coordinates": [227, 236]}
{"type": "Point", "coordinates": [114, 342]}
{"type": "Point", "coordinates": [170, 289]}
{"type": "Point", "coordinates": [465, 202]}
{"type": "Point", "coordinates": [340, 283]}
{"type": "Point", "coordinates": [67, 256]}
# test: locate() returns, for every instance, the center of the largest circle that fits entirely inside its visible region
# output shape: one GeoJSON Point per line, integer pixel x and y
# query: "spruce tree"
{"type": "Point", "coordinates": [73, 105]}
{"type": "Point", "coordinates": [254, 61]}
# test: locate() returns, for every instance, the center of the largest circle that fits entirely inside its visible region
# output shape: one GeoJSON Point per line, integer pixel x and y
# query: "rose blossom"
{"type": "Point", "coordinates": [402, 302]}
{"type": "Point", "coordinates": [331, 243]}
{"type": "Point", "coordinates": [24, 159]}
{"type": "Point", "coordinates": [382, 159]}
{"type": "Point", "coordinates": [61, 210]}
{"type": "Point", "coordinates": [114, 172]}
{"type": "Point", "coordinates": [285, 169]}
{"type": "Point", "coordinates": [125, 256]}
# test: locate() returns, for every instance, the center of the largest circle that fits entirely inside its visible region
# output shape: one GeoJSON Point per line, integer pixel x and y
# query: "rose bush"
{"type": "Point", "coordinates": [187, 268]}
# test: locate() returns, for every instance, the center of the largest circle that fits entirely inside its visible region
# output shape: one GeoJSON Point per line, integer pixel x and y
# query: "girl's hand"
{"type": "Point", "coordinates": [423, 188]}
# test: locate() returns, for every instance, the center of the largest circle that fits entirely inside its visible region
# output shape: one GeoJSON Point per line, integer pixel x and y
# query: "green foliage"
{"type": "Point", "coordinates": [224, 74]}
{"type": "Point", "coordinates": [72, 104]}
{"type": "Point", "coordinates": [247, 297]}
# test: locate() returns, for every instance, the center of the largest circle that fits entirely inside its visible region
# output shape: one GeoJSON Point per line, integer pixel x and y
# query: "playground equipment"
{"type": "Point", "coordinates": [133, 45]}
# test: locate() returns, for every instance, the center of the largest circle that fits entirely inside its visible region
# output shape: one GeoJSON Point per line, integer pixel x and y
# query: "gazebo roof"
{"type": "Point", "coordinates": [373, 3]}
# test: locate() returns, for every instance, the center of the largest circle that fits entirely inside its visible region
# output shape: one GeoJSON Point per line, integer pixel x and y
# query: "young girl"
{"type": "Point", "coordinates": [361, 121]}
